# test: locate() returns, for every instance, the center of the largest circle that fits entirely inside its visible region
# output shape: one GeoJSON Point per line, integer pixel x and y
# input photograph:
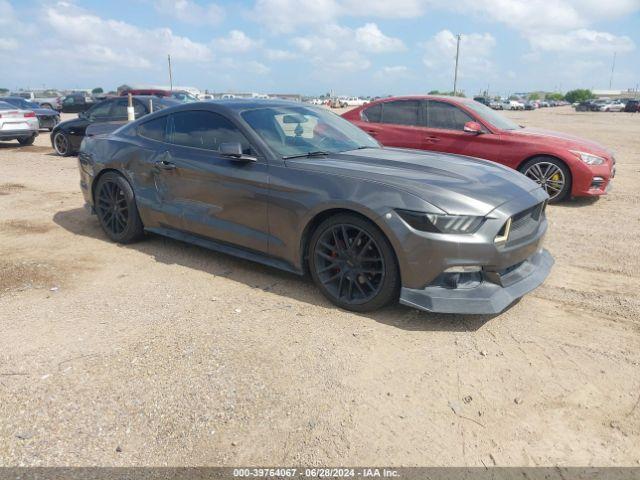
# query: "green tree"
{"type": "Point", "coordinates": [554, 96]}
{"type": "Point", "coordinates": [97, 90]}
{"type": "Point", "coordinates": [534, 96]}
{"type": "Point", "coordinates": [578, 95]}
{"type": "Point", "coordinates": [4, 91]}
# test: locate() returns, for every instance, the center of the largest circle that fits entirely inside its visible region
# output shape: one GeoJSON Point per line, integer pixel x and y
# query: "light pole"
{"type": "Point", "coordinates": [455, 76]}
{"type": "Point", "coordinates": [170, 73]}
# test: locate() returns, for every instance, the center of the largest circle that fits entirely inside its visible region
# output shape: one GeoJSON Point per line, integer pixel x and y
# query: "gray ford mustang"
{"type": "Point", "coordinates": [299, 188]}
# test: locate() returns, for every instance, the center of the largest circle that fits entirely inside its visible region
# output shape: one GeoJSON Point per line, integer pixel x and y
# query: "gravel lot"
{"type": "Point", "coordinates": [162, 353]}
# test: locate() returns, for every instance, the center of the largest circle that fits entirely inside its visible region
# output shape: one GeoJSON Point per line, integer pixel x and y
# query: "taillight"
{"type": "Point", "coordinates": [29, 114]}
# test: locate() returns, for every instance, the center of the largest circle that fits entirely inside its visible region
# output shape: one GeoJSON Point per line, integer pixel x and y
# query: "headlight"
{"type": "Point", "coordinates": [588, 158]}
{"type": "Point", "coordinates": [436, 223]}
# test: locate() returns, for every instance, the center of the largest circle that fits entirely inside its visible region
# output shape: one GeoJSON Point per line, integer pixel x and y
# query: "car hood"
{"type": "Point", "coordinates": [453, 183]}
{"type": "Point", "coordinates": [561, 139]}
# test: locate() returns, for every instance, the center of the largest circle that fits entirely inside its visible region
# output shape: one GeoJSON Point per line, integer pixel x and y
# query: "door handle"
{"type": "Point", "coordinates": [432, 139]}
{"type": "Point", "coordinates": [165, 165]}
{"type": "Point", "coordinates": [373, 133]}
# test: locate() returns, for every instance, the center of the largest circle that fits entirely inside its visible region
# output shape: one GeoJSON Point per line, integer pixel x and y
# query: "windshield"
{"type": "Point", "coordinates": [494, 118]}
{"type": "Point", "coordinates": [292, 131]}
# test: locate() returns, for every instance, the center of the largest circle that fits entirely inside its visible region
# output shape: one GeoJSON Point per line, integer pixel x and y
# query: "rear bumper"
{"type": "Point", "coordinates": [13, 134]}
{"type": "Point", "coordinates": [490, 295]}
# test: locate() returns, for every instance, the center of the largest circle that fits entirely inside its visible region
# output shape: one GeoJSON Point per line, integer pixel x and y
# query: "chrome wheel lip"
{"type": "Point", "coordinates": [351, 270]}
{"type": "Point", "coordinates": [57, 138]}
{"type": "Point", "coordinates": [542, 173]}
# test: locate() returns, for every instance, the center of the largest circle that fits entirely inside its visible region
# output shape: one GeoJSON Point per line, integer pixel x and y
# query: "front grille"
{"type": "Point", "coordinates": [525, 223]}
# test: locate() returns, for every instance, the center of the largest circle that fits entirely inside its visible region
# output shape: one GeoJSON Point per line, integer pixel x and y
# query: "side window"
{"type": "Point", "coordinates": [373, 114]}
{"type": "Point", "coordinates": [139, 109]}
{"type": "Point", "coordinates": [401, 112]}
{"type": "Point", "coordinates": [99, 110]}
{"type": "Point", "coordinates": [119, 109]}
{"type": "Point", "coordinates": [446, 116]}
{"type": "Point", "coordinates": [202, 129]}
{"type": "Point", "coordinates": [153, 129]}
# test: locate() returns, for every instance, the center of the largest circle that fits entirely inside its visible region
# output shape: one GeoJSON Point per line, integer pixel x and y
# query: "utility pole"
{"type": "Point", "coordinates": [613, 66]}
{"type": "Point", "coordinates": [170, 73]}
{"type": "Point", "coordinates": [455, 76]}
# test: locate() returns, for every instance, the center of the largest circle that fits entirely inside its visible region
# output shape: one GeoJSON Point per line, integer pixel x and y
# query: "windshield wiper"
{"type": "Point", "coordinates": [316, 153]}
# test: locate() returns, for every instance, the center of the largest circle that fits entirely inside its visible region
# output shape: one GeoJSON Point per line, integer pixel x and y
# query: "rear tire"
{"type": "Point", "coordinates": [116, 207]}
{"type": "Point", "coordinates": [551, 174]}
{"type": "Point", "coordinates": [353, 264]}
{"type": "Point", "coordinates": [25, 141]}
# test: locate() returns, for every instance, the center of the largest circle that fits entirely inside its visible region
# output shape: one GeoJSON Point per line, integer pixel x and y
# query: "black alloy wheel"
{"type": "Point", "coordinates": [116, 209]}
{"type": "Point", "coordinates": [353, 263]}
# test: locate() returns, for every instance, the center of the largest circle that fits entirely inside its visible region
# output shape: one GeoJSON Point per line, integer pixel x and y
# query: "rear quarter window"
{"type": "Point", "coordinates": [153, 129]}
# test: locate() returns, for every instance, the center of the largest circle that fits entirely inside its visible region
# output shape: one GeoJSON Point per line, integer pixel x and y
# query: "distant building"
{"type": "Point", "coordinates": [615, 93]}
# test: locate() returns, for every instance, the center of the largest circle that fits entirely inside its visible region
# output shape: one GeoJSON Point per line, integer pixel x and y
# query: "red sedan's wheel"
{"type": "Point", "coordinates": [550, 174]}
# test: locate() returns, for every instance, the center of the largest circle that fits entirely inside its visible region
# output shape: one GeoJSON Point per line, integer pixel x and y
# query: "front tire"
{"type": "Point", "coordinates": [62, 144]}
{"type": "Point", "coordinates": [25, 141]}
{"type": "Point", "coordinates": [353, 264]}
{"type": "Point", "coordinates": [116, 207]}
{"type": "Point", "coordinates": [551, 174]}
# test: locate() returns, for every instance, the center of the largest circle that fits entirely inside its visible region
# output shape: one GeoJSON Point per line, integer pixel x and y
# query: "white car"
{"type": "Point", "coordinates": [354, 101]}
{"type": "Point", "coordinates": [17, 124]}
{"type": "Point", "coordinates": [512, 105]}
{"type": "Point", "coordinates": [615, 106]}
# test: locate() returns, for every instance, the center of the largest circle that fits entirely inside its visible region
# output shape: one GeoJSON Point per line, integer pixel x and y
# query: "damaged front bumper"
{"type": "Point", "coordinates": [485, 292]}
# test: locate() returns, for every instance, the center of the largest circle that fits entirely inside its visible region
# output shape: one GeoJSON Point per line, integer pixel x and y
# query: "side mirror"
{"type": "Point", "coordinates": [233, 150]}
{"type": "Point", "coordinates": [473, 127]}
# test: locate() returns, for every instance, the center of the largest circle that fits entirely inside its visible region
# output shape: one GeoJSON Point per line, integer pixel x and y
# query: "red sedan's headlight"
{"type": "Point", "coordinates": [588, 158]}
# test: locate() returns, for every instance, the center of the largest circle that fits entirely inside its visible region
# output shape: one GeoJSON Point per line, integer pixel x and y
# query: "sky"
{"type": "Point", "coordinates": [350, 47]}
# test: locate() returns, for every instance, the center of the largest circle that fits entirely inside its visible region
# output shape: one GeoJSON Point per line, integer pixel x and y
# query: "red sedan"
{"type": "Point", "coordinates": [563, 164]}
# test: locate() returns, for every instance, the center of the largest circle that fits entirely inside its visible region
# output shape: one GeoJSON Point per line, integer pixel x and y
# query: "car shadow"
{"type": "Point", "coordinates": [258, 276]}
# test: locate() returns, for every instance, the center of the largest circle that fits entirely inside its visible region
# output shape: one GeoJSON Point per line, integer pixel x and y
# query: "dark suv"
{"type": "Point", "coordinates": [67, 136]}
{"type": "Point", "coordinates": [632, 106]}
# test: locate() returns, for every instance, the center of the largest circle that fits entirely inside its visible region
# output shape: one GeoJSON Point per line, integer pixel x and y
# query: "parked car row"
{"type": "Point", "coordinates": [608, 105]}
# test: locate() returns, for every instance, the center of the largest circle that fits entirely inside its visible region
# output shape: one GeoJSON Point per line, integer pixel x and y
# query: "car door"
{"type": "Point", "coordinates": [394, 124]}
{"type": "Point", "coordinates": [445, 132]}
{"type": "Point", "coordinates": [206, 193]}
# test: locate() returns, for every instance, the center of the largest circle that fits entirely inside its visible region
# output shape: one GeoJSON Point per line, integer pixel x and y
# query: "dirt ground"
{"type": "Point", "coordinates": [162, 353]}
